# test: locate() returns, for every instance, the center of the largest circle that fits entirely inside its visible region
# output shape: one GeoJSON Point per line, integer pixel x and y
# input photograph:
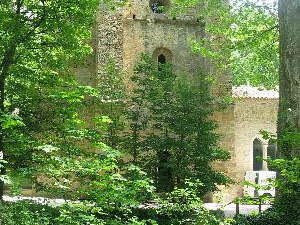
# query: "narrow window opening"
{"type": "Point", "coordinates": [165, 183]}
{"type": "Point", "coordinates": [256, 182]}
{"type": "Point", "coordinates": [162, 56]}
{"type": "Point", "coordinates": [271, 152]}
{"type": "Point", "coordinates": [161, 59]}
{"type": "Point", "coordinates": [134, 16]}
{"type": "Point", "coordinates": [257, 153]}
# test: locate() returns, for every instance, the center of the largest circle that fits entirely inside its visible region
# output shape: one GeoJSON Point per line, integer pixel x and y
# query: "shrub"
{"type": "Point", "coordinates": [270, 217]}
{"type": "Point", "coordinates": [27, 213]}
{"type": "Point", "coordinates": [287, 204]}
{"type": "Point", "coordinates": [181, 206]}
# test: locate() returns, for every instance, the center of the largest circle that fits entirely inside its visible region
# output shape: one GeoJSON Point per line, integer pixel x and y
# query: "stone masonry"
{"type": "Point", "coordinates": [135, 29]}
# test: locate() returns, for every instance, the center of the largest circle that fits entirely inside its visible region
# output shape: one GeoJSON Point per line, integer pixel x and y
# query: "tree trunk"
{"type": "Point", "coordinates": [5, 65]}
{"type": "Point", "coordinates": [289, 100]}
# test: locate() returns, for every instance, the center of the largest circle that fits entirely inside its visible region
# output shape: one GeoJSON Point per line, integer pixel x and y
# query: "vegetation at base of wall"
{"type": "Point", "coordinates": [285, 209]}
{"type": "Point", "coordinates": [27, 213]}
{"type": "Point", "coordinates": [171, 134]}
{"type": "Point", "coordinates": [287, 202]}
{"type": "Point", "coordinates": [266, 218]}
{"type": "Point", "coordinates": [182, 206]}
{"type": "Point", "coordinates": [277, 215]}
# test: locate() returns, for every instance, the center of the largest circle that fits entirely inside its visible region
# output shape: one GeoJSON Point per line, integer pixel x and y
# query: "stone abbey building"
{"type": "Point", "coordinates": [143, 27]}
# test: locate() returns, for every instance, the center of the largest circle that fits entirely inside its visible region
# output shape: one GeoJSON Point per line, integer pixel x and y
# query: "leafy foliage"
{"type": "Point", "coordinates": [255, 44]}
{"type": "Point", "coordinates": [66, 167]}
{"type": "Point", "coordinates": [241, 36]}
{"type": "Point", "coordinates": [286, 204]}
{"type": "Point", "coordinates": [112, 91]}
{"type": "Point", "coordinates": [182, 206]}
{"type": "Point", "coordinates": [27, 213]}
{"type": "Point", "coordinates": [40, 43]}
{"type": "Point", "coordinates": [171, 129]}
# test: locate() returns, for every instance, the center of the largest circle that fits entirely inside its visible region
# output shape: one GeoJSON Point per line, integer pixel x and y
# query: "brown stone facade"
{"type": "Point", "coordinates": [240, 126]}
{"type": "Point", "coordinates": [130, 31]}
{"type": "Point", "coordinates": [135, 29]}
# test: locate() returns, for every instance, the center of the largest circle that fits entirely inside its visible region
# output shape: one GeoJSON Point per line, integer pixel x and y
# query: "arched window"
{"type": "Point", "coordinates": [271, 151]}
{"type": "Point", "coordinates": [159, 6]}
{"type": "Point", "coordinates": [257, 152]}
{"type": "Point", "coordinates": [161, 59]}
{"type": "Point", "coordinates": [162, 56]}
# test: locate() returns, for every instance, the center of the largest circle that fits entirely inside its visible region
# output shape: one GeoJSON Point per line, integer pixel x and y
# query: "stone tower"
{"type": "Point", "coordinates": [142, 27]}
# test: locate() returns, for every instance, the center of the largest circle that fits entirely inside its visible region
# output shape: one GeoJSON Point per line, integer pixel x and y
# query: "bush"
{"type": "Point", "coordinates": [181, 206]}
{"type": "Point", "coordinates": [77, 214]}
{"type": "Point", "coordinates": [27, 213]}
{"type": "Point", "coordinates": [270, 217]}
{"type": "Point", "coordinates": [30, 213]}
{"type": "Point", "coordinates": [287, 204]}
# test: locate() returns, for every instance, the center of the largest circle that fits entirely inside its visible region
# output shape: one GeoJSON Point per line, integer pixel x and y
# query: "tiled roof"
{"type": "Point", "coordinates": [246, 91]}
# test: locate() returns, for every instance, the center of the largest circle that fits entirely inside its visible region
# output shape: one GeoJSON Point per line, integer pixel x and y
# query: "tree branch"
{"type": "Point", "coordinates": [38, 24]}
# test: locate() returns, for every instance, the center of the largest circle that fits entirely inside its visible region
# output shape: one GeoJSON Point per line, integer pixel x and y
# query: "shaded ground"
{"type": "Point", "coordinates": [229, 210]}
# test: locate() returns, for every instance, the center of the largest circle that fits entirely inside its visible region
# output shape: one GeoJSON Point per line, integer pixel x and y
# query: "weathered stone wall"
{"type": "Point", "coordinates": [109, 34]}
{"type": "Point", "coordinates": [240, 126]}
{"type": "Point", "coordinates": [226, 129]}
{"type": "Point", "coordinates": [135, 29]}
{"type": "Point", "coordinates": [146, 31]}
{"type": "Point", "coordinates": [252, 116]}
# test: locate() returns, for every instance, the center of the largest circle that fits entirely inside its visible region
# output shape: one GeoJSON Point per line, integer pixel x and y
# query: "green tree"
{"type": "Point", "coordinates": [177, 139]}
{"type": "Point", "coordinates": [112, 90]}
{"type": "Point", "coordinates": [241, 37]}
{"type": "Point", "coordinates": [255, 45]}
{"type": "Point", "coordinates": [40, 41]}
{"type": "Point", "coordinates": [196, 141]}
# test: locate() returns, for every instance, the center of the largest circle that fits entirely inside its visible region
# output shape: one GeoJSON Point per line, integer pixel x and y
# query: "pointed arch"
{"type": "Point", "coordinates": [162, 55]}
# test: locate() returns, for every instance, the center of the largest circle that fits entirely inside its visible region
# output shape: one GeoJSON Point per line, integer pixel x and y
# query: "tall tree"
{"type": "Point", "coordinates": [241, 36]}
{"type": "Point", "coordinates": [255, 45]}
{"type": "Point", "coordinates": [171, 134]}
{"type": "Point", "coordinates": [289, 100]}
{"type": "Point", "coordinates": [39, 39]}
